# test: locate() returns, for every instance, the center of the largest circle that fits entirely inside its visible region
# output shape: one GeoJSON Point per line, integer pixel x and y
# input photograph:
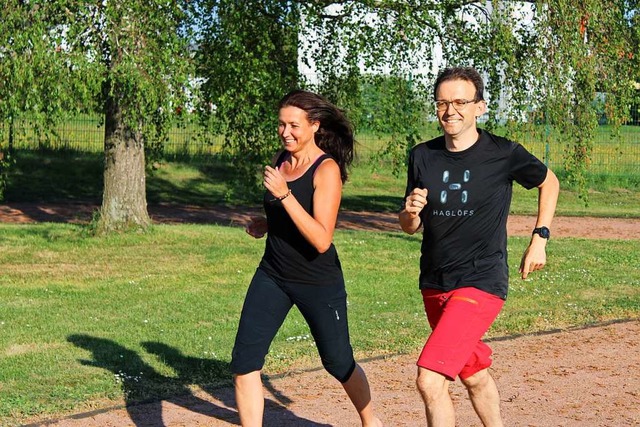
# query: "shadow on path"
{"type": "Point", "coordinates": [196, 371]}
{"type": "Point", "coordinates": [145, 390]}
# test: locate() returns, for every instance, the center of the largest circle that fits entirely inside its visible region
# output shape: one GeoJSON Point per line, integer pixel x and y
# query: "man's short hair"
{"type": "Point", "coordinates": [461, 73]}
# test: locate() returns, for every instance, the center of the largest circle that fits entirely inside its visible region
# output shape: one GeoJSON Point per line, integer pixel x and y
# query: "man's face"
{"type": "Point", "coordinates": [460, 121]}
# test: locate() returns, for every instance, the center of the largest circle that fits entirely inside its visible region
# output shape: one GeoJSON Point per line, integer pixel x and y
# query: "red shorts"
{"type": "Point", "coordinates": [458, 320]}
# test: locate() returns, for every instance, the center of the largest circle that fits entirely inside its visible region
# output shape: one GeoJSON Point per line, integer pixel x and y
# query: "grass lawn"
{"type": "Point", "coordinates": [87, 322]}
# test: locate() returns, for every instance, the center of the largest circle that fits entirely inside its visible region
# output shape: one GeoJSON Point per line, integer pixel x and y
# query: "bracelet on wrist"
{"type": "Point", "coordinates": [287, 194]}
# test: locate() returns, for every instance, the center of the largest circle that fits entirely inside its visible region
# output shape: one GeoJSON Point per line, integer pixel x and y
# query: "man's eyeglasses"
{"type": "Point", "coordinates": [458, 104]}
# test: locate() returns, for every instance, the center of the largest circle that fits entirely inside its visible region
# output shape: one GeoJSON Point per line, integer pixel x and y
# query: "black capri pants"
{"type": "Point", "coordinates": [267, 304]}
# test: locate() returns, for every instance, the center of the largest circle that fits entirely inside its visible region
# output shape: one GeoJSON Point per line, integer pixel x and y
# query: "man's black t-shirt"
{"type": "Point", "coordinates": [465, 221]}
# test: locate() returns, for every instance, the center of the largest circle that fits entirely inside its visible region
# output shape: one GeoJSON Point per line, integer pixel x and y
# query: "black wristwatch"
{"type": "Point", "coordinates": [542, 232]}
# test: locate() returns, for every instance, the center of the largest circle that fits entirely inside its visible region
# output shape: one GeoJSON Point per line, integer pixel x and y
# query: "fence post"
{"type": "Point", "coordinates": [10, 149]}
{"type": "Point", "coordinates": [547, 149]}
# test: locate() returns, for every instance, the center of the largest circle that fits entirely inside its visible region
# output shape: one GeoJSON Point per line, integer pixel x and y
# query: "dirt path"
{"type": "Point", "coordinates": [571, 378]}
{"type": "Point", "coordinates": [578, 377]}
{"type": "Point", "coordinates": [589, 227]}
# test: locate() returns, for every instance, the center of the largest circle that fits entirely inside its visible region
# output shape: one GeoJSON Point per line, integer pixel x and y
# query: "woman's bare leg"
{"type": "Point", "coordinates": [357, 388]}
{"type": "Point", "coordinates": [249, 398]}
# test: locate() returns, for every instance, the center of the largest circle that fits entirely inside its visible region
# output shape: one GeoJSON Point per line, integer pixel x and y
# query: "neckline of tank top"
{"type": "Point", "coordinates": [312, 164]}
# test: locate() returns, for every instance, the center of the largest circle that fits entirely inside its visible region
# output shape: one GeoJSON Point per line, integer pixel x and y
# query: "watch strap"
{"type": "Point", "coordinates": [542, 232]}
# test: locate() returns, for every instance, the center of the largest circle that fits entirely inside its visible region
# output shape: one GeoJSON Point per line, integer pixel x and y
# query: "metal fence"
{"type": "Point", "coordinates": [613, 154]}
{"type": "Point", "coordinates": [86, 134]}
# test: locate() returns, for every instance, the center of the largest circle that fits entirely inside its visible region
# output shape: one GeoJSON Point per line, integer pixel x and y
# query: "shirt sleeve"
{"type": "Point", "coordinates": [526, 169]}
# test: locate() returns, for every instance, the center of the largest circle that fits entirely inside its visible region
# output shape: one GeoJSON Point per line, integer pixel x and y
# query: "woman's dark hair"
{"type": "Point", "coordinates": [335, 134]}
{"type": "Point", "coordinates": [461, 73]}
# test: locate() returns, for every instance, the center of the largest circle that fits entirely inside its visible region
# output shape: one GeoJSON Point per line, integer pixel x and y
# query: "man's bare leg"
{"type": "Point", "coordinates": [434, 389]}
{"type": "Point", "coordinates": [485, 398]}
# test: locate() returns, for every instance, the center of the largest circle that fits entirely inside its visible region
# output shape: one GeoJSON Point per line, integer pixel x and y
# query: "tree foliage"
{"type": "Point", "coordinates": [576, 72]}
{"type": "Point", "coordinates": [128, 61]}
{"type": "Point", "coordinates": [29, 71]}
{"type": "Point", "coordinates": [552, 62]}
{"type": "Point", "coordinates": [544, 62]}
{"type": "Point", "coordinates": [247, 57]}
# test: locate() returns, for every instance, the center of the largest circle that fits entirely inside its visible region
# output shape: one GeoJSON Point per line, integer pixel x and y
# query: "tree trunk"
{"type": "Point", "coordinates": [124, 201]}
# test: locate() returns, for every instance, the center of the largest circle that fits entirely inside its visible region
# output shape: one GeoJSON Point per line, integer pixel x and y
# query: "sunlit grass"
{"type": "Point", "coordinates": [88, 322]}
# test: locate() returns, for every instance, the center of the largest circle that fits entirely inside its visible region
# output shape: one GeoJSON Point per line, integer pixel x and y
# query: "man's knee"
{"type": "Point", "coordinates": [477, 381]}
{"type": "Point", "coordinates": [431, 385]}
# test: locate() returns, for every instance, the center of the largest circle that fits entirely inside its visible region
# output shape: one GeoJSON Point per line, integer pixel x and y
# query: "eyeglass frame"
{"type": "Point", "coordinates": [453, 102]}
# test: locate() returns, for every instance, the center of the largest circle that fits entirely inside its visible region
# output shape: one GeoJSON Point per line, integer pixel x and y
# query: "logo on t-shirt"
{"type": "Point", "coordinates": [453, 191]}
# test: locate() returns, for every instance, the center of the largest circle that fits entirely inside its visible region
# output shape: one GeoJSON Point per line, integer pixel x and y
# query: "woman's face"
{"type": "Point", "coordinates": [295, 129]}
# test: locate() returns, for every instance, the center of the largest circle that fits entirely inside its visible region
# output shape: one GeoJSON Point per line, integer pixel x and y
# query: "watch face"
{"type": "Point", "coordinates": [543, 232]}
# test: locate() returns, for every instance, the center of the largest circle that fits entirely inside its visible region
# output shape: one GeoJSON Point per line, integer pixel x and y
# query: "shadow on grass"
{"type": "Point", "coordinates": [72, 176]}
{"type": "Point", "coordinates": [211, 181]}
{"type": "Point", "coordinates": [55, 176]}
{"type": "Point", "coordinates": [145, 389]}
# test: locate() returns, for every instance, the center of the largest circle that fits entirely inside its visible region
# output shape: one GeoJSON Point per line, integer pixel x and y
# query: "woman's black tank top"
{"type": "Point", "coordinates": [288, 255]}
